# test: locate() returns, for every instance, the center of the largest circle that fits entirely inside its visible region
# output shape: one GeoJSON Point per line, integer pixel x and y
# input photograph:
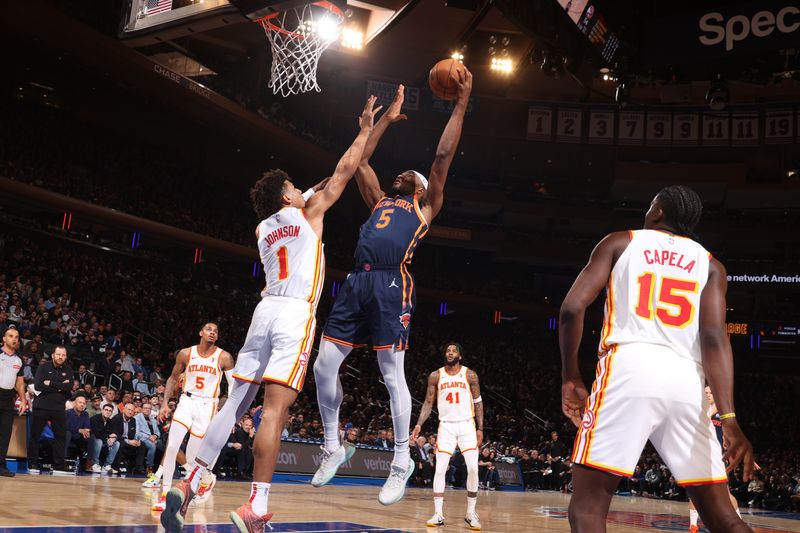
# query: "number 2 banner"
{"type": "Point", "coordinates": [569, 125]}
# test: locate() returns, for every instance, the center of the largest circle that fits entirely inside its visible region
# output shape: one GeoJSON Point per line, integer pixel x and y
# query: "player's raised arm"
{"type": "Point", "coordinates": [172, 382]}
{"type": "Point", "coordinates": [366, 179]}
{"type": "Point", "coordinates": [717, 356]}
{"type": "Point", "coordinates": [427, 406]}
{"type": "Point", "coordinates": [447, 147]}
{"type": "Point", "coordinates": [322, 201]}
{"type": "Point", "coordinates": [584, 291]}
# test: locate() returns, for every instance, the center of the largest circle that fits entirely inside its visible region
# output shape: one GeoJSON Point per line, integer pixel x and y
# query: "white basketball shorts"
{"type": "Point", "coordinates": [452, 434]}
{"type": "Point", "coordinates": [646, 391]}
{"type": "Point", "coordinates": [278, 344]}
{"type": "Point", "coordinates": [195, 413]}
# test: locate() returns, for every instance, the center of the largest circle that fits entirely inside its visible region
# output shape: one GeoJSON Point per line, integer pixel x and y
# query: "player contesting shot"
{"type": "Point", "coordinates": [664, 335]}
{"type": "Point", "coordinates": [278, 344]}
{"type": "Point", "coordinates": [377, 299]}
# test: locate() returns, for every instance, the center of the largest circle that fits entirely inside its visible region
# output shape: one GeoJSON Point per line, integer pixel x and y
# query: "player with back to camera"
{"type": "Point", "coordinates": [377, 299]}
{"type": "Point", "coordinates": [663, 336]}
{"type": "Point", "coordinates": [201, 368]}
{"type": "Point", "coordinates": [457, 393]}
{"type": "Point", "coordinates": [278, 345]}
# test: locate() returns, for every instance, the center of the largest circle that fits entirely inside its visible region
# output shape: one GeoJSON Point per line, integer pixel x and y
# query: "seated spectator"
{"type": "Point", "coordinates": [487, 472]}
{"type": "Point", "coordinates": [94, 407]}
{"type": "Point", "coordinates": [239, 448]}
{"type": "Point", "coordinates": [423, 472]}
{"type": "Point", "coordinates": [78, 430]}
{"type": "Point", "coordinates": [755, 490]}
{"type": "Point", "coordinates": [129, 445]}
{"type": "Point", "coordinates": [104, 435]}
{"type": "Point", "coordinates": [148, 433]}
{"type": "Point", "coordinates": [141, 385]}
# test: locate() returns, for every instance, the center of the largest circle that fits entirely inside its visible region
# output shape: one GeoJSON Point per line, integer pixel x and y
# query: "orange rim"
{"type": "Point", "coordinates": [267, 23]}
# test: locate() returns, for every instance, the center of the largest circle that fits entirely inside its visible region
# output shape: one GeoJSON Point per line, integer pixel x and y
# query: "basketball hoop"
{"type": "Point", "coordinates": [298, 37]}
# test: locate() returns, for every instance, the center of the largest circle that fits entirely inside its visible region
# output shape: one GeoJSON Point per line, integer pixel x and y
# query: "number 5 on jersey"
{"type": "Point", "coordinates": [385, 218]}
{"type": "Point", "coordinates": [670, 295]}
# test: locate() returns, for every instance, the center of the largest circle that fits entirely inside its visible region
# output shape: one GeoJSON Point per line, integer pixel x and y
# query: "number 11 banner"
{"type": "Point", "coordinates": [744, 128]}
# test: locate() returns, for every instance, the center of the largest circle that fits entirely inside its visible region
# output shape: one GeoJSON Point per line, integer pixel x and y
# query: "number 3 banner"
{"type": "Point", "coordinates": [601, 127]}
{"type": "Point", "coordinates": [569, 125]}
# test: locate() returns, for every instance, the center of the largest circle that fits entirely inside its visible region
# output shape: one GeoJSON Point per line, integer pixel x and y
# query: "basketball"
{"type": "Point", "coordinates": [442, 78]}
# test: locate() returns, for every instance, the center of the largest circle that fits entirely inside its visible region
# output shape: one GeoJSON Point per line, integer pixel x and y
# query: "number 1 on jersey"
{"type": "Point", "coordinates": [283, 263]}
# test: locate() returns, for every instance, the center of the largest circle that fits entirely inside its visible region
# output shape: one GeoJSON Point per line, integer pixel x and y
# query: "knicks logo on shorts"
{"type": "Point", "coordinates": [405, 319]}
{"type": "Point", "coordinates": [588, 419]}
{"type": "Point", "coordinates": [303, 359]}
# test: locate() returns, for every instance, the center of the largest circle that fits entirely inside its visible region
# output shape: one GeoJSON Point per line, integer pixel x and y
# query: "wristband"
{"type": "Point", "coordinates": [477, 400]}
{"type": "Point", "coordinates": [309, 193]}
{"type": "Point", "coordinates": [726, 416]}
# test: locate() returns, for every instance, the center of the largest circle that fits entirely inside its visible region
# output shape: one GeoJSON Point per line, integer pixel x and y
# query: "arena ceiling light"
{"type": "Point", "coordinates": [718, 95]}
{"type": "Point", "coordinates": [352, 38]}
{"type": "Point", "coordinates": [502, 65]}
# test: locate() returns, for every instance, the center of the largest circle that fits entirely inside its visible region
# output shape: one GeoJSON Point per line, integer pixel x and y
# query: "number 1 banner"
{"type": "Point", "coordinates": [569, 125]}
{"type": "Point", "coordinates": [631, 128]}
{"type": "Point", "coordinates": [540, 123]}
{"type": "Point", "coordinates": [744, 128]}
{"type": "Point", "coordinates": [601, 127]}
{"type": "Point", "coordinates": [685, 129]}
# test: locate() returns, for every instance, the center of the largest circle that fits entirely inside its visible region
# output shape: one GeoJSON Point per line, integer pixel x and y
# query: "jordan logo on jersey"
{"type": "Point", "coordinates": [394, 284]}
{"type": "Point", "coordinates": [405, 319]}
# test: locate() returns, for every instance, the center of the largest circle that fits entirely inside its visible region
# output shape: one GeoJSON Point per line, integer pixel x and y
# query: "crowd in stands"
{"type": "Point", "coordinates": [60, 294]}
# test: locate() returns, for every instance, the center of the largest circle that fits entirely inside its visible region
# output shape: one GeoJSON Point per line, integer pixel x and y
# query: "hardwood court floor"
{"type": "Point", "coordinates": [111, 504]}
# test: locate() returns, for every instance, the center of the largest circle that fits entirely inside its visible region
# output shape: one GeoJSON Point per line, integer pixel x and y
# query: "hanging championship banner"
{"type": "Point", "coordinates": [685, 129]}
{"type": "Point", "coordinates": [744, 128]}
{"type": "Point", "coordinates": [601, 127]}
{"type": "Point", "coordinates": [540, 123]}
{"type": "Point", "coordinates": [778, 126]}
{"type": "Point", "coordinates": [659, 129]}
{"type": "Point", "coordinates": [716, 129]}
{"type": "Point", "coordinates": [569, 125]}
{"type": "Point", "coordinates": [631, 128]}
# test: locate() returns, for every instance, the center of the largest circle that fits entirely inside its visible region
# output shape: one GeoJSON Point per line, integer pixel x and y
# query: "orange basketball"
{"type": "Point", "coordinates": [442, 78]}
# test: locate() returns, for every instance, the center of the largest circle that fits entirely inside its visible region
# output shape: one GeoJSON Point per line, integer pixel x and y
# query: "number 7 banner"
{"type": "Point", "coordinates": [631, 128]}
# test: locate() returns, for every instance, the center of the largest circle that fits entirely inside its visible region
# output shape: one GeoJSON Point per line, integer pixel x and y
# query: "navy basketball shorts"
{"type": "Point", "coordinates": [373, 308]}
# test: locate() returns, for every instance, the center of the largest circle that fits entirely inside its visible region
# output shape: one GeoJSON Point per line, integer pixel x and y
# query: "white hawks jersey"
{"type": "Point", "coordinates": [653, 294]}
{"type": "Point", "coordinates": [454, 400]}
{"type": "Point", "coordinates": [203, 375]}
{"type": "Point", "coordinates": [291, 252]}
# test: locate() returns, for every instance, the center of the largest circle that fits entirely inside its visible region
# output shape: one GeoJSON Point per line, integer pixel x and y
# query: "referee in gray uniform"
{"type": "Point", "coordinates": [10, 380]}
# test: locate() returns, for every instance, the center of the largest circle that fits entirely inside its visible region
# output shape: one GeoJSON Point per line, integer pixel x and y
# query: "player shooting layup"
{"type": "Point", "coordinates": [458, 399]}
{"type": "Point", "coordinates": [281, 334]}
{"type": "Point", "coordinates": [664, 335]}
{"type": "Point", "coordinates": [376, 302]}
{"type": "Point", "coordinates": [201, 367]}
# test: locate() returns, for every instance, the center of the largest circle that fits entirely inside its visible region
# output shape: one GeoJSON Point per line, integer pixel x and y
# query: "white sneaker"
{"type": "Point", "coordinates": [161, 503]}
{"type": "Point", "coordinates": [97, 469]}
{"type": "Point", "coordinates": [107, 469]}
{"type": "Point", "coordinates": [435, 521]}
{"type": "Point", "coordinates": [35, 470]}
{"type": "Point", "coordinates": [473, 522]}
{"type": "Point", "coordinates": [331, 461]}
{"type": "Point", "coordinates": [152, 482]}
{"type": "Point", "coordinates": [395, 486]}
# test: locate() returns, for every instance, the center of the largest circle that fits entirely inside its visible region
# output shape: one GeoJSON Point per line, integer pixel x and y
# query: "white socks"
{"type": "Point", "coordinates": [392, 366]}
{"type": "Point", "coordinates": [259, 497]}
{"type": "Point", "coordinates": [438, 505]}
{"type": "Point", "coordinates": [693, 517]}
{"type": "Point", "coordinates": [329, 389]}
{"type": "Point", "coordinates": [471, 504]}
{"type": "Point", "coordinates": [159, 472]}
{"type": "Point", "coordinates": [194, 475]}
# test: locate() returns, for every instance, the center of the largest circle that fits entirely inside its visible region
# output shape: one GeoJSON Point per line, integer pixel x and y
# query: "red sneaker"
{"type": "Point", "coordinates": [177, 502]}
{"type": "Point", "coordinates": [693, 529]}
{"type": "Point", "coordinates": [247, 521]}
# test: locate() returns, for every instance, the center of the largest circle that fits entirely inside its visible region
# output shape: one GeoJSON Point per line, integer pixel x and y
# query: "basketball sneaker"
{"type": "Point", "coordinates": [175, 506]}
{"type": "Point", "coordinates": [206, 485]}
{"type": "Point", "coordinates": [473, 522]}
{"type": "Point", "coordinates": [246, 521]}
{"type": "Point", "coordinates": [693, 529]}
{"type": "Point", "coordinates": [395, 486]}
{"type": "Point", "coordinates": [97, 469]}
{"type": "Point", "coordinates": [152, 481]}
{"type": "Point", "coordinates": [435, 521]}
{"type": "Point", "coordinates": [160, 504]}
{"type": "Point", "coordinates": [331, 461]}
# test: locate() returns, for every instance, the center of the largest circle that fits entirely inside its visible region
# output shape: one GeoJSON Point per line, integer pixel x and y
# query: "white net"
{"type": "Point", "coordinates": [298, 37]}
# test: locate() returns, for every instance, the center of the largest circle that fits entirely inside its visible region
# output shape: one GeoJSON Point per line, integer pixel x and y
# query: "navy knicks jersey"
{"type": "Point", "coordinates": [391, 233]}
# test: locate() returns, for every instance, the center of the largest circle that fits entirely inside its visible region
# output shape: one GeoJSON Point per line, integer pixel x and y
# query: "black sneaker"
{"type": "Point", "coordinates": [5, 472]}
{"type": "Point", "coordinates": [63, 471]}
{"type": "Point", "coordinates": [35, 469]}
